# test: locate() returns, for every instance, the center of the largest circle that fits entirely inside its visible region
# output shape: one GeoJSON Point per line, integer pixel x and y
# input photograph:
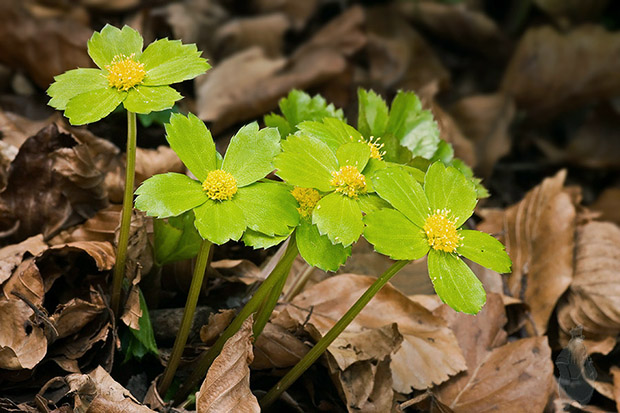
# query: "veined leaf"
{"type": "Point", "coordinates": [317, 249]}
{"type": "Point", "coordinates": [339, 217]}
{"type": "Point", "coordinates": [92, 106]}
{"type": "Point", "coordinates": [482, 248]}
{"type": "Point", "coordinates": [167, 195]}
{"type": "Point", "coordinates": [372, 113]}
{"type": "Point", "coordinates": [192, 142]}
{"type": "Point", "coordinates": [73, 83]}
{"type": "Point", "coordinates": [220, 221]}
{"type": "Point", "coordinates": [268, 208]}
{"type": "Point", "coordinates": [147, 99]}
{"type": "Point", "coordinates": [353, 154]}
{"type": "Point", "coordinates": [392, 234]}
{"type": "Point", "coordinates": [447, 188]}
{"type": "Point", "coordinates": [170, 61]}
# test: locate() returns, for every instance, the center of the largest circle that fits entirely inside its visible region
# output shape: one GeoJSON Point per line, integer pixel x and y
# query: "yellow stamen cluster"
{"type": "Point", "coordinates": [375, 148]}
{"type": "Point", "coordinates": [307, 198]}
{"type": "Point", "coordinates": [441, 231]}
{"type": "Point", "coordinates": [349, 181]}
{"type": "Point", "coordinates": [220, 185]}
{"type": "Point", "coordinates": [125, 72]}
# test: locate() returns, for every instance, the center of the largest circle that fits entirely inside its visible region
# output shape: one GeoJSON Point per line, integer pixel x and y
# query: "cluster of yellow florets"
{"type": "Point", "coordinates": [441, 231]}
{"type": "Point", "coordinates": [375, 148]}
{"type": "Point", "coordinates": [307, 198]}
{"type": "Point", "coordinates": [349, 181]}
{"type": "Point", "coordinates": [220, 185]}
{"type": "Point", "coordinates": [125, 72]}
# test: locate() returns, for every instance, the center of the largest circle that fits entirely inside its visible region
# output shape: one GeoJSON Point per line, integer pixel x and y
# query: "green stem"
{"type": "Point", "coordinates": [123, 237]}
{"type": "Point", "coordinates": [299, 284]}
{"type": "Point", "coordinates": [280, 271]}
{"type": "Point", "coordinates": [316, 351]}
{"type": "Point", "coordinates": [188, 316]}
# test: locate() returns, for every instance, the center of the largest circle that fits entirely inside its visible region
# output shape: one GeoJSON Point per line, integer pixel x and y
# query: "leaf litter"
{"type": "Point", "coordinates": [498, 85]}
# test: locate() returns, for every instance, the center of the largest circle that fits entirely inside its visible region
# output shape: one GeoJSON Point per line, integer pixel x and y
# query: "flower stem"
{"type": "Point", "coordinates": [280, 271]}
{"type": "Point", "coordinates": [316, 351]}
{"type": "Point", "coordinates": [123, 237]}
{"type": "Point", "coordinates": [188, 316]}
{"type": "Point", "coordinates": [299, 284]}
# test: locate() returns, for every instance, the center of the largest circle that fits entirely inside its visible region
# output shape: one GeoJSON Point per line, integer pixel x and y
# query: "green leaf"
{"type": "Point", "coordinates": [159, 118]}
{"type": "Point", "coordinates": [170, 61]}
{"type": "Point", "coordinates": [354, 154]}
{"type": "Point", "coordinates": [92, 106]}
{"type": "Point", "coordinates": [333, 132]}
{"type": "Point", "coordinates": [317, 249]}
{"type": "Point", "coordinates": [481, 191]}
{"type": "Point", "coordinates": [306, 162]}
{"type": "Point", "coordinates": [444, 153]}
{"type": "Point", "coordinates": [455, 283]}
{"type": "Point", "coordinates": [146, 99]}
{"type": "Point", "coordinates": [143, 340]}
{"type": "Point", "coordinates": [448, 188]}
{"type": "Point", "coordinates": [112, 41]}
{"type": "Point", "coordinates": [276, 121]}
{"type": "Point", "coordinates": [422, 136]}
{"type": "Point", "coordinates": [372, 117]}
{"type": "Point", "coordinates": [250, 153]}
{"type": "Point", "coordinates": [339, 217]}
{"type": "Point", "coordinates": [371, 202]}
{"type": "Point", "coordinates": [258, 240]}
{"type": "Point", "coordinates": [170, 194]}
{"type": "Point", "coordinates": [176, 238]}
{"type": "Point", "coordinates": [220, 222]}
{"type": "Point", "coordinates": [192, 142]}
{"type": "Point", "coordinates": [404, 193]}
{"type": "Point", "coordinates": [73, 83]}
{"type": "Point", "coordinates": [268, 207]}
{"type": "Point", "coordinates": [485, 250]}
{"type": "Point", "coordinates": [392, 234]}
{"type": "Point", "coordinates": [372, 166]}
{"type": "Point", "coordinates": [416, 173]}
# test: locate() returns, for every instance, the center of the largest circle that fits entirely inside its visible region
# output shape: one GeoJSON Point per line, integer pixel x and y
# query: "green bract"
{"type": "Point", "coordinates": [428, 220]}
{"type": "Point", "coordinates": [137, 79]}
{"type": "Point", "coordinates": [341, 177]}
{"type": "Point", "coordinates": [226, 198]}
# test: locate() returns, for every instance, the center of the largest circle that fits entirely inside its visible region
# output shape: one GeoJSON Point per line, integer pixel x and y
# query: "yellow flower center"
{"type": "Point", "coordinates": [307, 198]}
{"type": "Point", "coordinates": [220, 185]}
{"type": "Point", "coordinates": [349, 181]}
{"type": "Point", "coordinates": [375, 148]}
{"type": "Point", "coordinates": [125, 72]}
{"type": "Point", "coordinates": [441, 231]}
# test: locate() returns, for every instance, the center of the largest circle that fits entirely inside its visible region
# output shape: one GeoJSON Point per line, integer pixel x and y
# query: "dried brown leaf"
{"type": "Point", "coordinates": [26, 283]}
{"type": "Point", "coordinates": [16, 129]}
{"type": "Point", "coordinates": [22, 343]}
{"type": "Point", "coordinates": [277, 348]}
{"type": "Point", "coordinates": [574, 10]}
{"type": "Point", "coordinates": [227, 385]}
{"type": "Point", "coordinates": [607, 204]}
{"type": "Point", "coordinates": [266, 31]}
{"type": "Point", "coordinates": [43, 47]}
{"type": "Point", "coordinates": [53, 183]}
{"type": "Point", "coordinates": [485, 119]}
{"type": "Point", "coordinates": [593, 299]}
{"type": "Point", "coordinates": [71, 317]}
{"type": "Point", "coordinates": [102, 253]}
{"type": "Point", "coordinates": [539, 236]}
{"type": "Point", "coordinates": [429, 347]}
{"type": "Point", "coordinates": [244, 271]}
{"type": "Point", "coordinates": [217, 323]}
{"type": "Point", "coordinates": [12, 255]}
{"type": "Point", "coordinates": [298, 12]}
{"type": "Point", "coordinates": [451, 133]}
{"type": "Point", "coordinates": [536, 74]}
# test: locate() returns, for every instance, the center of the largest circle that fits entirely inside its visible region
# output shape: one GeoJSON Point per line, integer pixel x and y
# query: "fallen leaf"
{"type": "Point", "coordinates": [266, 31]}
{"type": "Point", "coordinates": [429, 353]}
{"type": "Point", "coordinates": [16, 128]}
{"type": "Point", "coordinates": [360, 363]}
{"type": "Point", "coordinates": [538, 233]}
{"type": "Point", "coordinates": [22, 343]}
{"type": "Point", "coordinates": [26, 41]}
{"type": "Point", "coordinates": [485, 119]}
{"type": "Point", "coordinates": [277, 348]}
{"type": "Point", "coordinates": [593, 300]}
{"type": "Point", "coordinates": [244, 271]}
{"type": "Point", "coordinates": [298, 12]}
{"type": "Point", "coordinates": [576, 11]}
{"type": "Point", "coordinates": [217, 323]}
{"type": "Point", "coordinates": [101, 227]}
{"type": "Point", "coordinates": [607, 204]}
{"type": "Point", "coordinates": [536, 75]}
{"type": "Point", "coordinates": [398, 56]}
{"type": "Point", "coordinates": [52, 184]}
{"type": "Point", "coordinates": [12, 255]}
{"type": "Point", "coordinates": [69, 318]}
{"type": "Point", "coordinates": [110, 5]}
{"type": "Point", "coordinates": [227, 385]}
{"type": "Point", "coordinates": [451, 133]}
{"type": "Point", "coordinates": [25, 284]}
{"type": "Point", "coordinates": [615, 373]}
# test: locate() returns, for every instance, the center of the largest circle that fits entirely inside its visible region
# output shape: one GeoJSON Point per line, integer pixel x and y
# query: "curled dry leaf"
{"type": "Point", "coordinates": [485, 119]}
{"type": "Point", "coordinates": [593, 300]}
{"type": "Point", "coordinates": [69, 318]}
{"type": "Point", "coordinates": [217, 323]}
{"type": "Point", "coordinates": [16, 129]}
{"type": "Point", "coordinates": [266, 31]}
{"type": "Point", "coordinates": [451, 133]}
{"type": "Point", "coordinates": [22, 343]}
{"type": "Point", "coordinates": [277, 348]}
{"type": "Point", "coordinates": [227, 385]}
{"type": "Point", "coordinates": [429, 353]}
{"type": "Point", "coordinates": [539, 235]}
{"type": "Point", "coordinates": [536, 74]}
{"type": "Point", "coordinates": [248, 84]}
{"type": "Point", "coordinates": [360, 364]}
{"type": "Point", "coordinates": [399, 57]}
{"type": "Point", "coordinates": [101, 227]}
{"type": "Point", "coordinates": [244, 271]}
{"type": "Point", "coordinates": [607, 204]}
{"type": "Point", "coordinates": [26, 41]}
{"type": "Point", "coordinates": [12, 255]}
{"type": "Point", "coordinates": [52, 184]}
{"type": "Point", "coordinates": [514, 377]}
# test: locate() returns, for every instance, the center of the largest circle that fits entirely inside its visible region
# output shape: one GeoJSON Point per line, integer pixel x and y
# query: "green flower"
{"type": "Point", "coordinates": [137, 79]}
{"type": "Point", "coordinates": [341, 177]}
{"type": "Point", "coordinates": [428, 220]}
{"type": "Point", "coordinates": [226, 198]}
